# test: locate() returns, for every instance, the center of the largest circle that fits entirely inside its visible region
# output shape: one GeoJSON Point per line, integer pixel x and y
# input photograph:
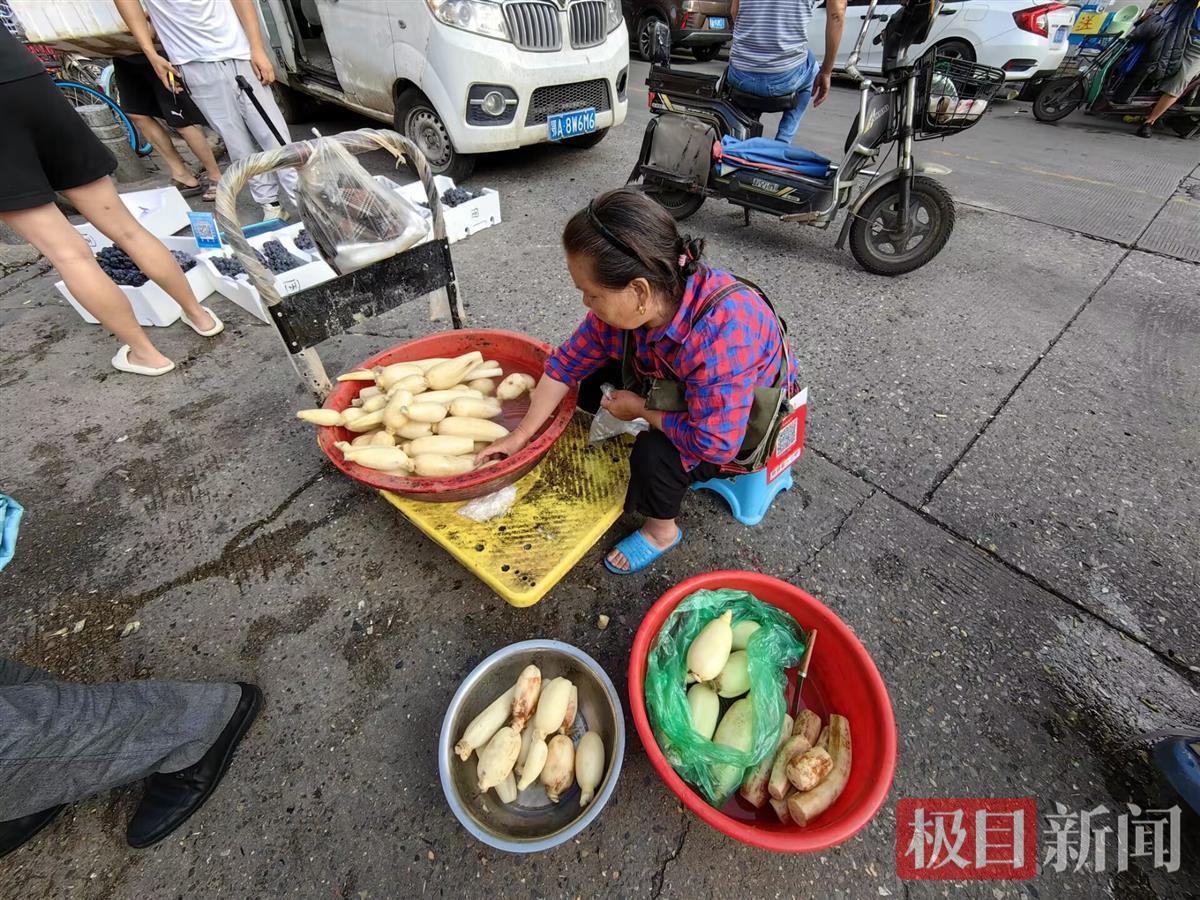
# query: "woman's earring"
{"type": "Point", "coordinates": [641, 309]}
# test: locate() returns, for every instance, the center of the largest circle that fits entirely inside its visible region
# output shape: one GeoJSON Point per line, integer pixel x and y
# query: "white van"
{"type": "Point", "coordinates": [460, 77]}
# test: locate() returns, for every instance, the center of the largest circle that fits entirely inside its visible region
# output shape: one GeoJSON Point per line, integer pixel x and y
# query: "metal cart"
{"type": "Point", "coordinates": [306, 318]}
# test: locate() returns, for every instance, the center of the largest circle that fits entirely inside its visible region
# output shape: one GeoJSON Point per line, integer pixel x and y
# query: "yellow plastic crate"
{"type": "Point", "coordinates": [562, 508]}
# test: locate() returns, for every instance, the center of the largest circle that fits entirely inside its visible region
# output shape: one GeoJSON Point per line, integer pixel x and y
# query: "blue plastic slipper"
{"type": "Point", "coordinates": [638, 552]}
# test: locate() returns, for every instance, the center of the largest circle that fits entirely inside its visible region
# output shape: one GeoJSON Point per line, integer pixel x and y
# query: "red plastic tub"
{"type": "Point", "coordinates": [515, 353]}
{"type": "Point", "coordinates": [841, 679]}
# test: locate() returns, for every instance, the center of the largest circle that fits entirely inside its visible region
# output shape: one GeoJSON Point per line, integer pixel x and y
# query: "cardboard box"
{"type": "Point", "coordinates": [161, 211]}
{"type": "Point", "coordinates": [240, 291]}
{"type": "Point", "coordinates": [151, 304]}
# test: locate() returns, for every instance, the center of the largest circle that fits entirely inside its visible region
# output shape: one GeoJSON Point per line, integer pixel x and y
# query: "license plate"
{"type": "Point", "coordinates": [717, 23]}
{"type": "Point", "coordinates": [1060, 34]}
{"type": "Point", "coordinates": [572, 124]}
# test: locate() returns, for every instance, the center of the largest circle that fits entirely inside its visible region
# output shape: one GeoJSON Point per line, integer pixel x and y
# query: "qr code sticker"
{"type": "Point", "coordinates": [787, 437]}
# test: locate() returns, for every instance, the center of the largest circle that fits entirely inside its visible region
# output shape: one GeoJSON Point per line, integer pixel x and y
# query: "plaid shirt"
{"type": "Point", "coordinates": [720, 360]}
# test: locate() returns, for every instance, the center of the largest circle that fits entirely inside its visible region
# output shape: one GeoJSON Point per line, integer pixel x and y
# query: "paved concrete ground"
{"type": "Point", "coordinates": [999, 496]}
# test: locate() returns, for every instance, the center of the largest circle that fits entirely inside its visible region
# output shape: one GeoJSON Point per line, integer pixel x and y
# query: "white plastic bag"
{"type": "Point", "coordinates": [606, 426]}
{"type": "Point", "coordinates": [481, 509]}
{"type": "Point", "coordinates": [353, 219]}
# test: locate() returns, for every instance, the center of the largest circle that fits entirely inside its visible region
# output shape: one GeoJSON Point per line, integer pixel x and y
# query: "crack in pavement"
{"type": "Point", "coordinates": [948, 469]}
{"type": "Point", "coordinates": [1178, 666]}
{"type": "Point", "coordinates": [837, 529]}
{"type": "Point", "coordinates": [659, 880]}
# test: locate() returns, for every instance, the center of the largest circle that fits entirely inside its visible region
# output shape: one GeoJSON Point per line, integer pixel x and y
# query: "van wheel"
{"type": "Point", "coordinates": [418, 121]}
{"type": "Point", "coordinates": [585, 141]}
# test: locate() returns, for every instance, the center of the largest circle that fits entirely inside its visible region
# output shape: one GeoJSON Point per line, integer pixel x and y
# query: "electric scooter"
{"type": "Point", "coordinates": [1094, 82]}
{"type": "Point", "coordinates": [897, 221]}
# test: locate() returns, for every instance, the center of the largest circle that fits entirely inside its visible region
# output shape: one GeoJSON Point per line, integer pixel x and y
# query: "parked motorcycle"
{"type": "Point", "coordinates": [898, 220]}
{"type": "Point", "coordinates": [1093, 82]}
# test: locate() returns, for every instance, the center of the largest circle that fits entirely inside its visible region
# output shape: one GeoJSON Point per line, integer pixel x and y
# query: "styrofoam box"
{"type": "Point", "coordinates": [151, 304]}
{"type": "Point", "coordinates": [245, 295]}
{"type": "Point", "coordinates": [462, 220]}
{"type": "Point", "coordinates": [91, 27]}
{"type": "Point", "coordinates": [161, 211]}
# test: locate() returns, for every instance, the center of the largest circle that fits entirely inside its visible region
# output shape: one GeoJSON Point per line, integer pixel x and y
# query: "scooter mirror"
{"type": "Point", "coordinates": [660, 49]}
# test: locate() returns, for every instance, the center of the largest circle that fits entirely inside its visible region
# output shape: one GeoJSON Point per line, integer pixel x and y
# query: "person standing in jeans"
{"type": "Point", "coordinates": [770, 56]}
{"type": "Point", "coordinates": [211, 43]}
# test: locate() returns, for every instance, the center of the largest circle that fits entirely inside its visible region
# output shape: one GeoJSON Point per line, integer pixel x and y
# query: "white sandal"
{"type": "Point", "coordinates": [122, 364]}
{"type": "Point", "coordinates": [217, 328]}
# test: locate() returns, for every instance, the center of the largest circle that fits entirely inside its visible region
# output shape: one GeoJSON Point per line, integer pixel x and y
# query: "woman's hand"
{"type": "Point", "coordinates": [625, 405]}
{"type": "Point", "coordinates": [506, 446]}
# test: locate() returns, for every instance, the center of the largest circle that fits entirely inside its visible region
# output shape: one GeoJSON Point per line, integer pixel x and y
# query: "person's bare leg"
{"type": "Point", "coordinates": [199, 145]}
{"type": "Point", "coordinates": [661, 533]}
{"type": "Point", "coordinates": [1165, 102]}
{"type": "Point", "coordinates": [99, 204]}
{"type": "Point", "coordinates": [48, 229]}
{"type": "Point", "coordinates": [160, 140]}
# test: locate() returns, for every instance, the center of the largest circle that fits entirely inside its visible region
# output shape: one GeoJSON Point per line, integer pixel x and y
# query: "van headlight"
{"type": "Point", "coordinates": [477, 16]}
{"type": "Point", "coordinates": [615, 16]}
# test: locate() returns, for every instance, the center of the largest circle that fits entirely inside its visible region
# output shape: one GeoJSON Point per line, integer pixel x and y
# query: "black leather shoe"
{"type": "Point", "coordinates": [170, 799]}
{"type": "Point", "coordinates": [1144, 130]}
{"type": "Point", "coordinates": [16, 832]}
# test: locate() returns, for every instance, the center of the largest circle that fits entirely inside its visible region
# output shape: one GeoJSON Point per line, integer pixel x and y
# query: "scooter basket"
{"type": "Point", "coordinates": [952, 94]}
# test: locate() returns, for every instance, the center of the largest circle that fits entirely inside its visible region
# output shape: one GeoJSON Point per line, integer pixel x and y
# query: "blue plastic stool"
{"type": "Point", "coordinates": [749, 496]}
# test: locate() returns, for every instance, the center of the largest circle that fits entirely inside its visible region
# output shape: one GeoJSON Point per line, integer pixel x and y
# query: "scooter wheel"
{"type": "Point", "coordinates": [680, 204]}
{"type": "Point", "coordinates": [1058, 99]}
{"type": "Point", "coordinates": [875, 240]}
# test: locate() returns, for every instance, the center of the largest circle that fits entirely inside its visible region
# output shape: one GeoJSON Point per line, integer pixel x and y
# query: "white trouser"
{"type": "Point", "coordinates": [214, 87]}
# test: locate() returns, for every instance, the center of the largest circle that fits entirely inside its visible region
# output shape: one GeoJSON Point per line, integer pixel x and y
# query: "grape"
{"type": "Point", "coordinates": [276, 257]}
{"type": "Point", "coordinates": [228, 266]}
{"type": "Point", "coordinates": [116, 264]}
{"type": "Point", "coordinates": [187, 263]}
{"type": "Point", "coordinates": [456, 195]}
{"type": "Point", "coordinates": [304, 241]}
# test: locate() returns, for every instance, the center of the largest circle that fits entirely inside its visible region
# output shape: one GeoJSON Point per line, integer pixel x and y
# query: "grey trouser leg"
{"type": "Point", "coordinates": [61, 742]}
{"type": "Point", "coordinates": [213, 86]}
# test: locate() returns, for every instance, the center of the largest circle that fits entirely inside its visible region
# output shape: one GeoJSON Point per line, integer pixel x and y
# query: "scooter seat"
{"type": "Point", "coordinates": [753, 103]}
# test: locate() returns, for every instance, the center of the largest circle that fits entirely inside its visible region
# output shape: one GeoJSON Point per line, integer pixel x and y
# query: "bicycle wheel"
{"type": "Point", "coordinates": [78, 94]}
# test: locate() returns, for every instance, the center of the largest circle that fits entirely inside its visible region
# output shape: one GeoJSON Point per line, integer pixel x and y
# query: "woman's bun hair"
{"type": "Point", "coordinates": [690, 251]}
{"type": "Point", "coordinates": [627, 235]}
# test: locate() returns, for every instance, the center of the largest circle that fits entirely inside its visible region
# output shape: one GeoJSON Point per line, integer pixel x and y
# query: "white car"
{"type": "Point", "coordinates": [1012, 35]}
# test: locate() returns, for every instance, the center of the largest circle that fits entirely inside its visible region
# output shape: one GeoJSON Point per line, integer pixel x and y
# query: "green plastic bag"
{"type": "Point", "coordinates": [776, 645]}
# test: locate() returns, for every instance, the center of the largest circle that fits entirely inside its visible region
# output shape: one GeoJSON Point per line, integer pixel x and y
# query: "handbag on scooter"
{"type": "Point", "coordinates": [681, 149]}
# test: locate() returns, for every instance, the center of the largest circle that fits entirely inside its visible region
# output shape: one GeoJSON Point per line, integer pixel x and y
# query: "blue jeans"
{"type": "Point", "coordinates": [780, 84]}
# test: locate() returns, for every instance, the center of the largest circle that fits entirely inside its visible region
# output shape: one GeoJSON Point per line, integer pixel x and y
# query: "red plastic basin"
{"type": "Point", "coordinates": [515, 353]}
{"type": "Point", "coordinates": [842, 679]}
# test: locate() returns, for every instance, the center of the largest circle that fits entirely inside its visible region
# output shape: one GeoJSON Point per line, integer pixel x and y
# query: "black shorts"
{"type": "Point", "coordinates": [142, 93]}
{"type": "Point", "coordinates": [44, 145]}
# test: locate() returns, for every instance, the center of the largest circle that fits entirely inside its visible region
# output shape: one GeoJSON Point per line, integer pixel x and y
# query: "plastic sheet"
{"type": "Point", "coordinates": [776, 645]}
{"type": "Point", "coordinates": [353, 219]}
{"type": "Point", "coordinates": [481, 509]}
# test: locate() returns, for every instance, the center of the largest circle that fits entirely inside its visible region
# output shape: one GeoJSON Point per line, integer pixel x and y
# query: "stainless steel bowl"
{"type": "Point", "coordinates": [532, 822]}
